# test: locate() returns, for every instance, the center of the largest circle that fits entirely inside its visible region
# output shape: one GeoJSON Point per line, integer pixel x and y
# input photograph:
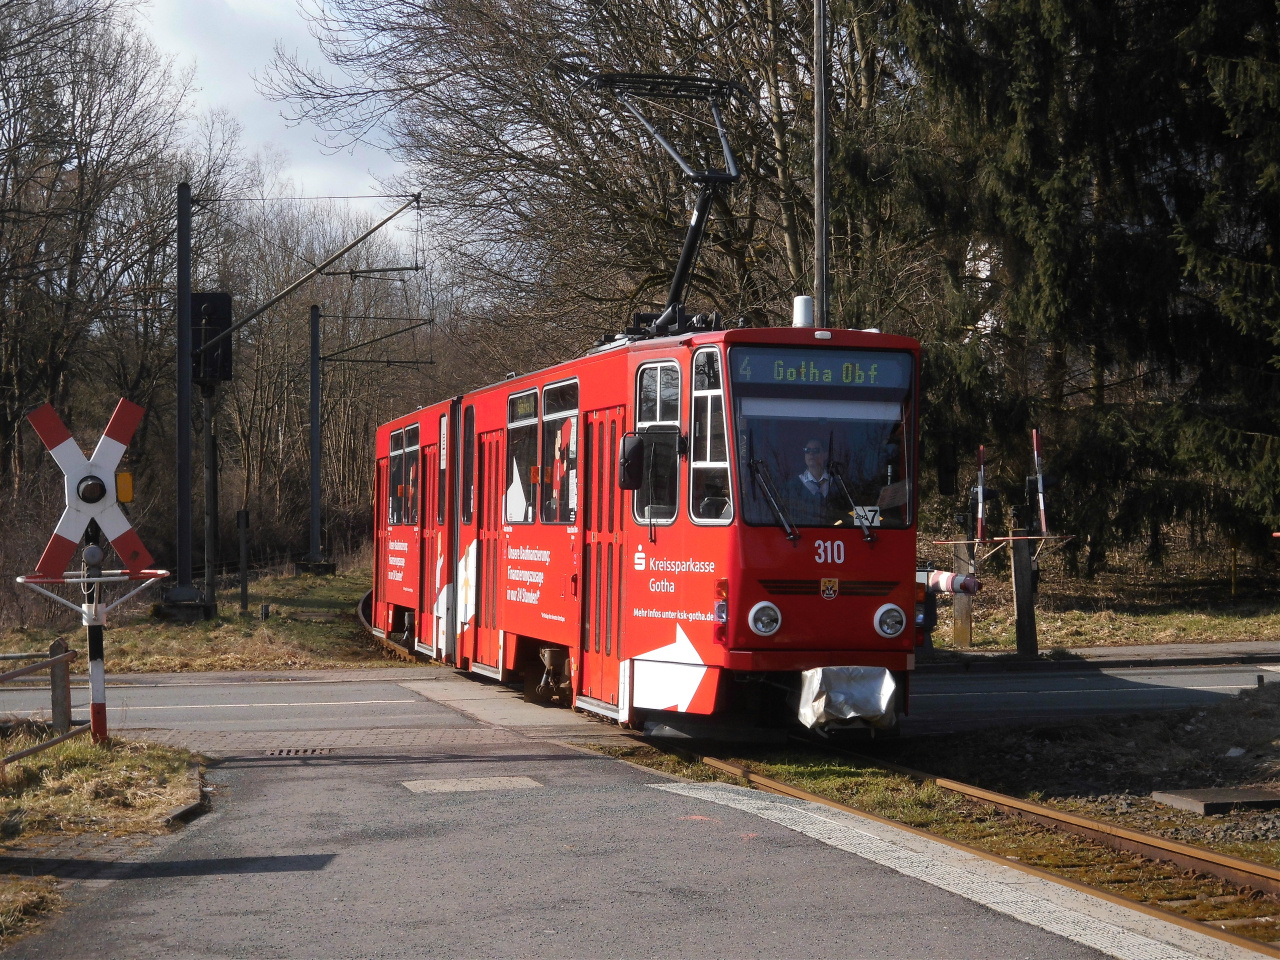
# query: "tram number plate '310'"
{"type": "Point", "coordinates": [829, 551]}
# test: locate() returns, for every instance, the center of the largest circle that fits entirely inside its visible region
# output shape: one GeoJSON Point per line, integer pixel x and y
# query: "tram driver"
{"type": "Point", "coordinates": [813, 495]}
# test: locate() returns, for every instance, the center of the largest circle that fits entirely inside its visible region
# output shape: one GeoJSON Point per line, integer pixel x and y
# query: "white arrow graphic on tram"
{"type": "Point", "coordinates": [669, 675]}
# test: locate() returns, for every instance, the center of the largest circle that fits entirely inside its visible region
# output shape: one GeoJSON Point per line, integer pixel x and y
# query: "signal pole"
{"type": "Point", "coordinates": [184, 593]}
{"type": "Point", "coordinates": [820, 230]}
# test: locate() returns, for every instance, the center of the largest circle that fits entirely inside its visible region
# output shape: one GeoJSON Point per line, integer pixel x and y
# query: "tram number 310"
{"type": "Point", "coordinates": [829, 551]}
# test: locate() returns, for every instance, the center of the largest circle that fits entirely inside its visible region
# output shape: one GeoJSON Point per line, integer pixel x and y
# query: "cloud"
{"type": "Point", "coordinates": [228, 42]}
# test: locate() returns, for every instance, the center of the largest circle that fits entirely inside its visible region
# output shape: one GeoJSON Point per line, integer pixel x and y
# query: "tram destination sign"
{"type": "Point", "coordinates": [774, 366]}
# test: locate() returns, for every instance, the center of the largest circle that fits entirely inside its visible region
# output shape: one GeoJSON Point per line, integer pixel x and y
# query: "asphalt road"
{"type": "Point", "coordinates": [938, 700]}
{"type": "Point", "coordinates": [955, 700]}
{"type": "Point", "coordinates": [335, 856]}
{"type": "Point", "coordinates": [450, 820]}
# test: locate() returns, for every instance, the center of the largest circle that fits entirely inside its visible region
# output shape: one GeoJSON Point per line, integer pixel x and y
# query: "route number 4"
{"type": "Point", "coordinates": [829, 551]}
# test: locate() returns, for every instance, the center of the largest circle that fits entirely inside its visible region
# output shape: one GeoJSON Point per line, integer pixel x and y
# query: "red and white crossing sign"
{"type": "Point", "coordinates": [90, 489]}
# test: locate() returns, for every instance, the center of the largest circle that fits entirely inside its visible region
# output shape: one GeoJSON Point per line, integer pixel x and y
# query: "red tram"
{"type": "Point", "coordinates": [686, 519]}
{"type": "Point", "coordinates": [639, 529]}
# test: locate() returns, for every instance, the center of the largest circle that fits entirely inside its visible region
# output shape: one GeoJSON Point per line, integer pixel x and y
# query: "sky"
{"type": "Point", "coordinates": [227, 42]}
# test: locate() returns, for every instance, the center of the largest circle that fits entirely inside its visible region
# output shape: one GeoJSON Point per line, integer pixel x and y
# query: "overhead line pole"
{"type": "Point", "coordinates": [314, 556]}
{"type": "Point", "coordinates": [315, 271]}
{"type": "Point", "coordinates": [820, 229]}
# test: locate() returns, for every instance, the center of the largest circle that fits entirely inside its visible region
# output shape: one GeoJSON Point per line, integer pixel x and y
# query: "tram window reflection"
{"type": "Point", "coordinates": [560, 453]}
{"type": "Point", "coordinates": [658, 420]}
{"type": "Point", "coordinates": [710, 496]}
{"type": "Point", "coordinates": [395, 499]}
{"type": "Point", "coordinates": [412, 469]}
{"type": "Point", "coordinates": [522, 457]}
{"type": "Point", "coordinates": [468, 464]}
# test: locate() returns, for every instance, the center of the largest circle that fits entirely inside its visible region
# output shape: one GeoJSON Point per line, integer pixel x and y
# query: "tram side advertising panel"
{"type": "Point", "coordinates": [540, 507]}
{"type": "Point", "coordinates": [403, 499]}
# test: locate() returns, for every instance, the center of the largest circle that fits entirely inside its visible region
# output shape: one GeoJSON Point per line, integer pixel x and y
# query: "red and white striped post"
{"type": "Point", "coordinates": [1035, 451]}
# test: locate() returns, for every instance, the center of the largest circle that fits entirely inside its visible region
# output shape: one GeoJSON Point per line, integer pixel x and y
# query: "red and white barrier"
{"type": "Point", "coordinates": [940, 581]}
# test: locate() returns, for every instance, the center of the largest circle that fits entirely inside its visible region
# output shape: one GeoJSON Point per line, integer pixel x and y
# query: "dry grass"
{"type": "Point", "coordinates": [312, 626]}
{"type": "Point", "coordinates": [23, 901]}
{"type": "Point", "coordinates": [1187, 600]}
{"type": "Point", "coordinates": [116, 789]}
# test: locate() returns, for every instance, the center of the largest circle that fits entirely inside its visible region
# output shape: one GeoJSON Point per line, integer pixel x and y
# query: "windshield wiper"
{"type": "Point", "coordinates": [761, 474]}
{"type": "Point", "coordinates": [837, 470]}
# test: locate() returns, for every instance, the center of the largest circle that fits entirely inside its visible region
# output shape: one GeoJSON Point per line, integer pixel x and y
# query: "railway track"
{"type": "Point", "coordinates": [1244, 874]}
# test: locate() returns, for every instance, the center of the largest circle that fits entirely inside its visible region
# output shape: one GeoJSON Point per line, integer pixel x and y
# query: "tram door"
{"type": "Point", "coordinates": [602, 554]}
{"type": "Point", "coordinates": [380, 532]}
{"type": "Point", "coordinates": [430, 541]}
{"type": "Point", "coordinates": [488, 544]}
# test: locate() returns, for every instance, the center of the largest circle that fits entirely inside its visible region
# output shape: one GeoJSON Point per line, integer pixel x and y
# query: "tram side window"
{"type": "Point", "coordinates": [560, 453]}
{"type": "Point", "coordinates": [442, 486]}
{"type": "Point", "coordinates": [468, 464]}
{"type": "Point", "coordinates": [710, 499]}
{"type": "Point", "coordinates": [409, 495]}
{"type": "Point", "coordinates": [522, 457]}
{"type": "Point", "coordinates": [395, 500]}
{"type": "Point", "coordinates": [658, 420]}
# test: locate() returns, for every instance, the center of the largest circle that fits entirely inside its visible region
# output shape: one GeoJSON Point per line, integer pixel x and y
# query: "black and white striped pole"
{"type": "Point", "coordinates": [94, 621]}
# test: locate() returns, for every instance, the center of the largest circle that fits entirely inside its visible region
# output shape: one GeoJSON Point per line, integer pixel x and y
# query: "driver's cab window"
{"type": "Point", "coordinates": [658, 422]}
{"type": "Point", "coordinates": [710, 499]}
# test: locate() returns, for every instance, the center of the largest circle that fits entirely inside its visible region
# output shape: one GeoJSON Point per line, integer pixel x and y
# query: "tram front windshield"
{"type": "Point", "coordinates": [824, 436]}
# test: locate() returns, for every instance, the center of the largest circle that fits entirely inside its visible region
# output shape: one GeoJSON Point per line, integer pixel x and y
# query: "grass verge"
{"type": "Point", "coordinates": [117, 789]}
{"type": "Point", "coordinates": [312, 626]}
{"type": "Point", "coordinates": [1132, 605]}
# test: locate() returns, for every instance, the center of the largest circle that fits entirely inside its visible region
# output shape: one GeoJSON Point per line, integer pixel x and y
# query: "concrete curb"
{"type": "Point", "coordinates": [982, 665]}
{"type": "Point", "coordinates": [185, 813]}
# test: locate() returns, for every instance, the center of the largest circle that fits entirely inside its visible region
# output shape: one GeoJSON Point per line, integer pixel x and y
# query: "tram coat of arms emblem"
{"type": "Point", "coordinates": [830, 587]}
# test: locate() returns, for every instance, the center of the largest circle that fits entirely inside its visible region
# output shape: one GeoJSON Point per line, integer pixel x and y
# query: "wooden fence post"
{"type": "Point", "coordinates": [1024, 597]}
{"type": "Point", "coordinates": [60, 686]}
{"type": "Point", "coordinates": [962, 603]}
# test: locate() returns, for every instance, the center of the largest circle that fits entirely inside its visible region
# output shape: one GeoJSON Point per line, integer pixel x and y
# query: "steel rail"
{"type": "Point", "coordinates": [1205, 864]}
{"type": "Point", "coordinates": [1236, 870]}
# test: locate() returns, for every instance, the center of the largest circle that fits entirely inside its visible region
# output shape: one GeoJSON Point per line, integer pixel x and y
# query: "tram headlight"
{"type": "Point", "coordinates": [890, 620]}
{"type": "Point", "coordinates": [764, 619]}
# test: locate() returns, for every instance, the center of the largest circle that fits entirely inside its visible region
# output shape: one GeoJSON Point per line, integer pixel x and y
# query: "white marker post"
{"type": "Point", "coordinates": [981, 533]}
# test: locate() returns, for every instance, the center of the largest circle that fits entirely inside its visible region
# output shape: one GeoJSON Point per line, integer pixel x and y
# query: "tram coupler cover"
{"type": "Point", "coordinates": [836, 697]}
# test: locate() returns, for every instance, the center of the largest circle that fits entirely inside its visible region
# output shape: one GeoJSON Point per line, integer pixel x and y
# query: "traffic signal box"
{"type": "Point", "coordinates": [210, 316]}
